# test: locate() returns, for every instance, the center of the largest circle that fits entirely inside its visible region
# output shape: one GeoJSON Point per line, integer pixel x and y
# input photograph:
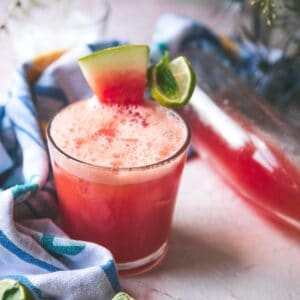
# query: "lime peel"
{"type": "Point", "coordinates": [122, 296]}
{"type": "Point", "coordinates": [13, 290]}
{"type": "Point", "coordinates": [162, 87]}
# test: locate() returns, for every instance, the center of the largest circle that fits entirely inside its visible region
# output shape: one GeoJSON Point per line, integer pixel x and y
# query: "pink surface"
{"type": "Point", "coordinates": [221, 248]}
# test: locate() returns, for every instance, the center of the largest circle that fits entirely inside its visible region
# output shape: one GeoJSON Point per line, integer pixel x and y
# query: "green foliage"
{"type": "Point", "coordinates": [166, 79]}
{"type": "Point", "coordinates": [273, 23]}
{"type": "Point", "coordinates": [268, 8]}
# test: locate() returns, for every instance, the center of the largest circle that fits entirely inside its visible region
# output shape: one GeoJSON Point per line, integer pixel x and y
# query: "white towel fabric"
{"type": "Point", "coordinates": [33, 250]}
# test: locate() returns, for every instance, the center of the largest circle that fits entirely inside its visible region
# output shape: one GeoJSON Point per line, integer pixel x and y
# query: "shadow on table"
{"type": "Point", "coordinates": [283, 227]}
{"type": "Point", "coordinates": [191, 255]}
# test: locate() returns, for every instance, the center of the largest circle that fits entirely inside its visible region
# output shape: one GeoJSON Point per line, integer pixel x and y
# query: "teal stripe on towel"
{"type": "Point", "coordinates": [14, 249]}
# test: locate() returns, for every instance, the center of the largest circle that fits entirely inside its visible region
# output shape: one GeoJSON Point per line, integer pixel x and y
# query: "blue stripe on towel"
{"type": "Point", "coordinates": [10, 246]}
{"type": "Point", "coordinates": [102, 45]}
{"type": "Point", "coordinates": [51, 92]}
{"type": "Point", "coordinates": [2, 112]}
{"type": "Point", "coordinates": [35, 139]}
{"type": "Point", "coordinates": [110, 270]}
{"type": "Point", "coordinates": [28, 103]}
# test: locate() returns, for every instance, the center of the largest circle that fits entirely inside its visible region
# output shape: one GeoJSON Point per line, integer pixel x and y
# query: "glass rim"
{"type": "Point", "coordinates": [160, 163]}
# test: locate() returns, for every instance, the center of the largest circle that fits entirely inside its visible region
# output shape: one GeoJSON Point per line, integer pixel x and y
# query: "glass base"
{"type": "Point", "coordinates": [145, 264]}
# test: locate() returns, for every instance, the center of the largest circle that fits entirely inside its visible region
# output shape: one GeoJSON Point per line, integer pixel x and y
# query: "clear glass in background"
{"type": "Point", "coordinates": [42, 26]}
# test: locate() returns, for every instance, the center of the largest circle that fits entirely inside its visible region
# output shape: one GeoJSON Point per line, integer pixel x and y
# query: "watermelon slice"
{"type": "Point", "coordinates": [118, 74]}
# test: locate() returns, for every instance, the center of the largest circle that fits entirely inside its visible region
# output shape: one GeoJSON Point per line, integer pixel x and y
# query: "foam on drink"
{"type": "Point", "coordinates": [118, 136]}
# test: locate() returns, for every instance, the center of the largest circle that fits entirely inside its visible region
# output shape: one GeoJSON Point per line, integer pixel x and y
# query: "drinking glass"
{"type": "Point", "coordinates": [128, 210]}
{"type": "Point", "coordinates": [58, 24]}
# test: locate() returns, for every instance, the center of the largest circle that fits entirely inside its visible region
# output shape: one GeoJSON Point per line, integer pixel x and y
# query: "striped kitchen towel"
{"type": "Point", "coordinates": [33, 250]}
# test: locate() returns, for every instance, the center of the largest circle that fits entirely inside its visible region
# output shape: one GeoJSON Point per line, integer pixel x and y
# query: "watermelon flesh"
{"type": "Point", "coordinates": [117, 75]}
{"type": "Point", "coordinates": [123, 88]}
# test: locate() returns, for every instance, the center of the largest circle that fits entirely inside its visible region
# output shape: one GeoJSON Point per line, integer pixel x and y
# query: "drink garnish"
{"type": "Point", "coordinates": [172, 82]}
{"type": "Point", "coordinates": [118, 74]}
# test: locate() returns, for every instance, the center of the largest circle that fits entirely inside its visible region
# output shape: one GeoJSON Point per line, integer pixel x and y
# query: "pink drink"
{"type": "Point", "coordinates": [117, 171]}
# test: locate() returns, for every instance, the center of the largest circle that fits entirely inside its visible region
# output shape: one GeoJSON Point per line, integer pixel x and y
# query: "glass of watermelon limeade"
{"type": "Point", "coordinates": [117, 169]}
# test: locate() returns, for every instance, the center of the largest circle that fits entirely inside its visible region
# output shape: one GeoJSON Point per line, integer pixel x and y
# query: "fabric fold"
{"type": "Point", "coordinates": [33, 249]}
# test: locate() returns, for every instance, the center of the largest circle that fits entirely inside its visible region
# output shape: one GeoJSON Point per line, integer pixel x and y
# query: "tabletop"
{"type": "Point", "coordinates": [221, 247]}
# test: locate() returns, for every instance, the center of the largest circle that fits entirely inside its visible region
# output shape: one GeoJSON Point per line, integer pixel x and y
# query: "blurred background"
{"type": "Point", "coordinates": [29, 27]}
{"type": "Point", "coordinates": [266, 32]}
